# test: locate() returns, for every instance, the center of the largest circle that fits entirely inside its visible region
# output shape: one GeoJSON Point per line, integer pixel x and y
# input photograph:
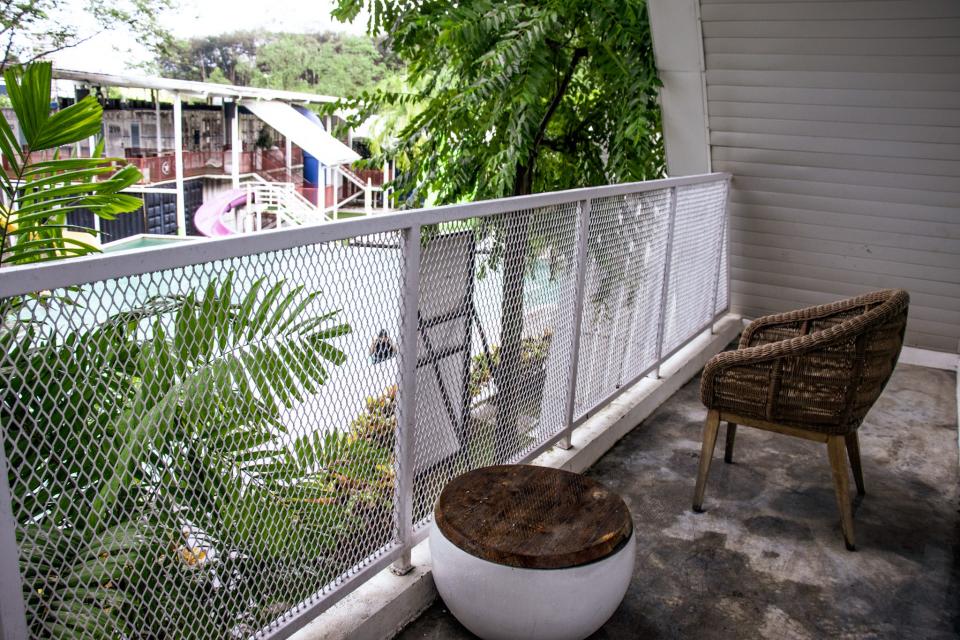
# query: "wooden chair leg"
{"type": "Point", "coordinates": [710, 429]}
{"type": "Point", "coordinates": [853, 452]}
{"type": "Point", "coordinates": [731, 435]}
{"type": "Point", "coordinates": [841, 486]}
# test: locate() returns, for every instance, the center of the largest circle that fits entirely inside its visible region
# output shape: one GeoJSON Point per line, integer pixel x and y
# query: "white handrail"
{"type": "Point", "coordinates": [278, 198]}
{"type": "Point", "coordinates": [351, 176]}
{"type": "Point", "coordinates": [25, 279]}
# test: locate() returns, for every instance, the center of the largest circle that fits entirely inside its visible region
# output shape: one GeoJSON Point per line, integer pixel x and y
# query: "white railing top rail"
{"type": "Point", "coordinates": [26, 279]}
{"type": "Point", "coordinates": [351, 176]}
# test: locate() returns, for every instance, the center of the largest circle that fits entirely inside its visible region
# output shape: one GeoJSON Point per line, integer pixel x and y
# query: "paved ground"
{"type": "Point", "coordinates": [766, 559]}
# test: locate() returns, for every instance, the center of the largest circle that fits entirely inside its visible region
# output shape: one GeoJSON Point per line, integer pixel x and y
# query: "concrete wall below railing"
{"type": "Point", "coordinates": [386, 603]}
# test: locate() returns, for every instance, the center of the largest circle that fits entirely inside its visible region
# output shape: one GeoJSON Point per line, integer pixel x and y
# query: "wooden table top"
{"type": "Point", "coordinates": [532, 517]}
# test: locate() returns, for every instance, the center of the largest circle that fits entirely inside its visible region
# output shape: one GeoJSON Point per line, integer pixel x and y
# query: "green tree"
{"type": "Point", "coordinates": [328, 63]}
{"type": "Point", "coordinates": [32, 29]}
{"type": "Point", "coordinates": [228, 57]}
{"type": "Point", "coordinates": [515, 97]}
{"type": "Point", "coordinates": [519, 96]}
{"type": "Point", "coordinates": [168, 416]}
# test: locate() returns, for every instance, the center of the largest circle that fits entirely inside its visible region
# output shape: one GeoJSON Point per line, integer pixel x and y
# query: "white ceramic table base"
{"type": "Point", "coordinates": [498, 602]}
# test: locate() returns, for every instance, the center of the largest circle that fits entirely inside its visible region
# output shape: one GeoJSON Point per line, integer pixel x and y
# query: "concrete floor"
{"type": "Point", "coordinates": [766, 559]}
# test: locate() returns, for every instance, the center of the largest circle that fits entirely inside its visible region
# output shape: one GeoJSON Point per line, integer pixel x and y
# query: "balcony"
{"type": "Point", "coordinates": [253, 427]}
{"type": "Point", "coordinates": [225, 439]}
{"type": "Point", "coordinates": [244, 438]}
{"type": "Point", "coordinates": [201, 163]}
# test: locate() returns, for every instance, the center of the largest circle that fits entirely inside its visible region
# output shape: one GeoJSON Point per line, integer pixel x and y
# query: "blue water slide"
{"type": "Point", "coordinates": [311, 166]}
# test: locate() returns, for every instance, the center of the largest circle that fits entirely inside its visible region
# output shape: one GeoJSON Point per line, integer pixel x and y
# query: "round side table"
{"type": "Point", "coordinates": [531, 553]}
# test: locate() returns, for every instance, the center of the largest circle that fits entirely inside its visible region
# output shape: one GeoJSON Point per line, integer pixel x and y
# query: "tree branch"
{"type": "Point", "coordinates": [525, 172]}
{"type": "Point", "coordinates": [578, 55]}
{"type": "Point", "coordinates": [567, 142]}
{"type": "Point", "coordinates": [65, 45]}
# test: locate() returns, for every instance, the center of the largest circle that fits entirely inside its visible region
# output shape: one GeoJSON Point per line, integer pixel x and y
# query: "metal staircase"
{"type": "Point", "coordinates": [275, 204]}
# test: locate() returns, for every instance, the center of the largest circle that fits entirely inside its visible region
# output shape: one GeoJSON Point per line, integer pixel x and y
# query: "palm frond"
{"type": "Point", "coordinates": [41, 193]}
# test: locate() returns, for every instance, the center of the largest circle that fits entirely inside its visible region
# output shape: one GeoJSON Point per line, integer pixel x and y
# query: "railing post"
{"type": "Point", "coordinates": [631, 329]}
{"type": "Point", "coordinates": [13, 613]}
{"type": "Point", "coordinates": [178, 163]}
{"type": "Point", "coordinates": [368, 198]}
{"type": "Point", "coordinates": [671, 223]}
{"type": "Point", "coordinates": [268, 198]}
{"type": "Point", "coordinates": [407, 397]}
{"type": "Point", "coordinates": [724, 224]}
{"type": "Point", "coordinates": [583, 230]}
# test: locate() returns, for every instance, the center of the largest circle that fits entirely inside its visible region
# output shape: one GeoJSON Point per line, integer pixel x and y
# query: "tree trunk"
{"type": "Point", "coordinates": [516, 231]}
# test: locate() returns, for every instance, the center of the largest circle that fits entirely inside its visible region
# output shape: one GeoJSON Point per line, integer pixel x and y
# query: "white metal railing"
{"type": "Point", "coordinates": [281, 200]}
{"type": "Point", "coordinates": [367, 189]}
{"type": "Point", "coordinates": [222, 439]}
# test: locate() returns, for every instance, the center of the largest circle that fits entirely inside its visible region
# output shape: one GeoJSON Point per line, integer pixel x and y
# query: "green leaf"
{"type": "Point", "coordinates": [47, 190]}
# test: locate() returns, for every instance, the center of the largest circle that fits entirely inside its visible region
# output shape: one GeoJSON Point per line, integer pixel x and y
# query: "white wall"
{"type": "Point", "coordinates": [840, 122]}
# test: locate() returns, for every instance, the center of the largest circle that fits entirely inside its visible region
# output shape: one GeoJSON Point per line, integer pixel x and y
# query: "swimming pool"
{"type": "Point", "coordinates": [145, 241]}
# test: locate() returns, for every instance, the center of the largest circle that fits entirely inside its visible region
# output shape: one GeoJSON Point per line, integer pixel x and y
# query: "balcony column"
{"type": "Point", "coordinates": [235, 145]}
{"type": "Point", "coordinates": [178, 162]}
{"type": "Point", "coordinates": [288, 155]}
{"type": "Point", "coordinates": [322, 188]}
{"type": "Point", "coordinates": [329, 174]}
{"type": "Point", "coordinates": [383, 187]}
{"type": "Point", "coordinates": [156, 110]}
{"type": "Point", "coordinates": [678, 48]}
{"type": "Point", "coordinates": [92, 142]}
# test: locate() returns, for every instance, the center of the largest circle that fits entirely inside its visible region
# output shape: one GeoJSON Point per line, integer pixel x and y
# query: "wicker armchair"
{"type": "Point", "coordinates": [812, 373]}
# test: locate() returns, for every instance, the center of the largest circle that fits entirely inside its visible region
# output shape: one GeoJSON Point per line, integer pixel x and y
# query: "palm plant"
{"type": "Point", "coordinates": [148, 452]}
{"type": "Point", "coordinates": [40, 192]}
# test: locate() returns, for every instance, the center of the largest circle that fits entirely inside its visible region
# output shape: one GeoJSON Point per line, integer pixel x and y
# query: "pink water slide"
{"type": "Point", "coordinates": [207, 219]}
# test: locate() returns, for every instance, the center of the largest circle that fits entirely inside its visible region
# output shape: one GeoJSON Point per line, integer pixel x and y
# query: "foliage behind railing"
{"type": "Point", "coordinates": [198, 444]}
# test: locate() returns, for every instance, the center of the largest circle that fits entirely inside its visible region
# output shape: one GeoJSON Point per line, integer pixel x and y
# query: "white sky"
{"type": "Point", "coordinates": [120, 51]}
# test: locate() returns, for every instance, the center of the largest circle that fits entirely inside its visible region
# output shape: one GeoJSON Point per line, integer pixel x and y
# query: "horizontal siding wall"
{"type": "Point", "coordinates": [840, 121]}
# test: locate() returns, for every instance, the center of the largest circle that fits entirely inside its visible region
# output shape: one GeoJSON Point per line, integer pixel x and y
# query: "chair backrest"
{"type": "Point", "coordinates": [880, 327]}
{"type": "Point", "coordinates": [850, 350]}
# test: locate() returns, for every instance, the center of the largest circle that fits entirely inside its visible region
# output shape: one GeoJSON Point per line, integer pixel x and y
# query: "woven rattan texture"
{"type": "Point", "coordinates": [819, 368]}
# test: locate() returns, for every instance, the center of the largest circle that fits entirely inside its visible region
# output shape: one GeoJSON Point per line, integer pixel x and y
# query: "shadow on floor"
{"type": "Point", "coordinates": [767, 559]}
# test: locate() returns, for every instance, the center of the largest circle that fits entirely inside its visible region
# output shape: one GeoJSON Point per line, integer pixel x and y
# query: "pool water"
{"type": "Point", "coordinates": [143, 241]}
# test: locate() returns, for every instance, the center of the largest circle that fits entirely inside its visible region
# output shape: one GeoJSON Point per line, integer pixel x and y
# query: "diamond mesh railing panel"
{"type": "Point", "coordinates": [623, 288]}
{"type": "Point", "coordinates": [698, 231]}
{"type": "Point", "coordinates": [500, 285]}
{"type": "Point", "coordinates": [215, 450]}
{"type": "Point", "coordinates": [196, 452]}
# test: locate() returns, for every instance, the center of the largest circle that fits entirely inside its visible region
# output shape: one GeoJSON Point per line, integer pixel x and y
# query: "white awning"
{"type": "Point", "coordinates": [303, 133]}
{"type": "Point", "coordinates": [187, 87]}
